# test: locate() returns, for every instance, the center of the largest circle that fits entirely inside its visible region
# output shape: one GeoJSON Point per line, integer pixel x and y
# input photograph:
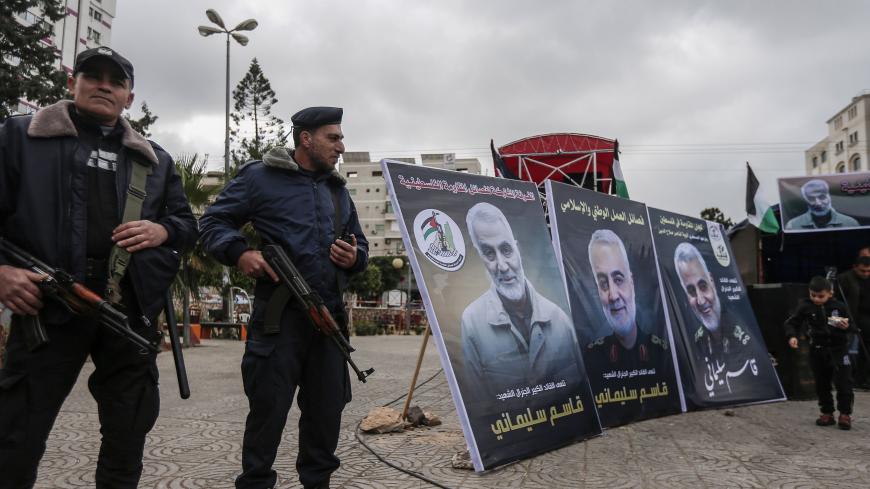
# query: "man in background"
{"type": "Point", "coordinates": [855, 285]}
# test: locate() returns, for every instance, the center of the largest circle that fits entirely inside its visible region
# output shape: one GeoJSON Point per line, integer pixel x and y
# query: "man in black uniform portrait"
{"type": "Point", "coordinates": [628, 346]}
{"type": "Point", "coordinates": [722, 343]}
{"type": "Point", "coordinates": [82, 191]}
{"type": "Point", "coordinates": [297, 200]}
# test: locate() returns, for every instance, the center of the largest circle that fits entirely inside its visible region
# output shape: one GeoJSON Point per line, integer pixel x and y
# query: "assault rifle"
{"type": "Point", "coordinates": [314, 307]}
{"type": "Point", "coordinates": [78, 299]}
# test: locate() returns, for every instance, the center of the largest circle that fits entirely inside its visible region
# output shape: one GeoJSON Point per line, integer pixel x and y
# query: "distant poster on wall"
{"type": "Point", "coordinates": [825, 202]}
{"type": "Point", "coordinates": [495, 300]}
{"type": "Point", "coordinates": [722, 357]}
{"type": "Point", "coordinates": [606, 250]}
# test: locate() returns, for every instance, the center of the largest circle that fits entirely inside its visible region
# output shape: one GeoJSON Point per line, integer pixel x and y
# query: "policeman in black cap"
{"type": "Point", "coordinates": [294, 198]}
{"type": "Point", "coordinates": [65, 176]}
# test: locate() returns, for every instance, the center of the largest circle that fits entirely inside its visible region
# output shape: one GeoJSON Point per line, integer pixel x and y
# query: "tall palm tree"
{"type": "Point", "coordinates": [197, 266]}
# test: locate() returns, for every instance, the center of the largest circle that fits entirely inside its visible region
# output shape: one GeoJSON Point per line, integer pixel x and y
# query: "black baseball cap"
{"type": "Point", "coordinates": [108, 53]}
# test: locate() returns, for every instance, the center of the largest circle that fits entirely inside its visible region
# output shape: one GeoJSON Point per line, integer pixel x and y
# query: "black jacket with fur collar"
{"type": "Point", "coordinates": [43, 199]}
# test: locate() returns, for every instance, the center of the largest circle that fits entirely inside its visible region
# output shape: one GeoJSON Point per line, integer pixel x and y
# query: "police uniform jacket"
{"type": "Point", "coordinates": [44, 192]}
{"type": "Point", "coordinates": [291, 207]}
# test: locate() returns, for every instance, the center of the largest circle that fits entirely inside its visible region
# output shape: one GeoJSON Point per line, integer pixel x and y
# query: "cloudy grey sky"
{"type": "Point", "coordinates": [691, 89]}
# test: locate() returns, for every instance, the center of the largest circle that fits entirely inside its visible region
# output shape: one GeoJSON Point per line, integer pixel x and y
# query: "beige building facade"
{"type": "Point", "coordinates": [845, 148]}
{"type": "Point", "coordinates": [368, 189]}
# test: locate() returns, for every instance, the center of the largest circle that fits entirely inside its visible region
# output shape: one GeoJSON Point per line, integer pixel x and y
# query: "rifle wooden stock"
{"type": "Point", "coordinates": [313, 305]}
{"type": "Point", "coordinates": [78, 299]}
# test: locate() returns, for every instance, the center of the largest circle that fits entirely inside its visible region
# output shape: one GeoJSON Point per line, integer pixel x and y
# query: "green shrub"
{"type": "Point", "coordinates": [366, 328]}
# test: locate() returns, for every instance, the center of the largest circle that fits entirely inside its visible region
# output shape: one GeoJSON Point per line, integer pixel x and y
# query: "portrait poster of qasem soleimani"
{"type": "Point", "coordinates": [723, 357]}
{"type": "Point", "coordinates": [816, 203]}
{"type": "Point", "coordinates": [496, 303]}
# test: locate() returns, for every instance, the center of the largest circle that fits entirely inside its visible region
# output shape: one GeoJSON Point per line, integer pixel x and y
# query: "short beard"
{"type": "Point", "coordinates": [820, 213]}
{"type": "Point", "coordinates": [713, 324]}
{"type": "Point", "coordinates": [513, 293]}
{"type": "Point", "coordinates": [622, 329]}
{"type": "Point", "coordinates": [320, 165]}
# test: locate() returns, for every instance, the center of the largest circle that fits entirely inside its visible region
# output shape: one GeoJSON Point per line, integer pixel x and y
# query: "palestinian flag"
{"type": "Point", "coordinates": [620, 189]}
{"type": "Point", "coordinates": [758, 210]}
{"type": "Point", "coordinates": [429, 226]}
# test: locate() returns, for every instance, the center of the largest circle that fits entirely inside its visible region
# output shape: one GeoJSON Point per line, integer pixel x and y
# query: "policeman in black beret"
{"type": "Point", "coordinates": [294, 198]}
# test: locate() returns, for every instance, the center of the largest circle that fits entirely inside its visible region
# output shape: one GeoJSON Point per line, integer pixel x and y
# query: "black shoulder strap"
{"type": "Point", "coordinates": [336, 203]}
{"type": "Point", "coordinates": [334, 190]}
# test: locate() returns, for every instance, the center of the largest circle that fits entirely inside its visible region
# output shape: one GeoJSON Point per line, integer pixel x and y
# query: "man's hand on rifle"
{"type": "Point", "coordinates": [138, 235]}
{"type": "Point", "coordinates": [18, 290]}
{"type": "Point", "coordinates": [252, 264]}
{"type": "Point", "coordinates": [342, 253]}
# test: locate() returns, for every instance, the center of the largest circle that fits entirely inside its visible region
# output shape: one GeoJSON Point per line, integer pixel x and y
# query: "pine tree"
{"type": "Point", "coordinates": [144, 123]}
{"type": "Point", "coordinates": [255, 130]}
{"type": "Point", "coordinates": [28, 64]}
{"type": "Point", "coordinates": [716, 215]}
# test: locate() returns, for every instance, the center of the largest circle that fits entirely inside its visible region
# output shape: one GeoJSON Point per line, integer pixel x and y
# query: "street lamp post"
{"type": "Point", "coordinates": [204, 30]}
{"type": "Point", "coordinates": [398, 264]}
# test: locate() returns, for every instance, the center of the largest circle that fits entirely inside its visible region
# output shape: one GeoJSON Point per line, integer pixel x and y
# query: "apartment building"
{"type": "Point", "coordinates": [845, 148]}
{"type": "Point", "coordinates": [368, 189]}
{"type": "Point", "coordinates": [87, 24]}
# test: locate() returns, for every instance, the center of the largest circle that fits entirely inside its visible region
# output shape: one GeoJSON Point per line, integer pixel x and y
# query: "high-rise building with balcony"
{"type": "Point", "coordinates": [845, 149]}
{"type": "Point", "coordinates": [87, 24]}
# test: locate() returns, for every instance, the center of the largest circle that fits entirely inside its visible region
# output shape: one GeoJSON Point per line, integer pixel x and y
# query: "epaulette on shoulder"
{"type": "Point", "coordinates": [598, 342]}
{"type": "Point", "coordinates": [658, 341]}
{"type": "Point", "coordinates": [699, 334]}
{"type": "Point", "coordinates": [741, 335]}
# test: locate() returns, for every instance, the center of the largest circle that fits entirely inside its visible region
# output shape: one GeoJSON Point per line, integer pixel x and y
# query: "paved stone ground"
{"type": "Point", "coordinates": [196, 443]}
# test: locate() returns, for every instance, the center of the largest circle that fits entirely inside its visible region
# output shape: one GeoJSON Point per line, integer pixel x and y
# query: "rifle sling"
{"type": "Point", "coordinates": [338, 219]}
{"type": "Point", "coordinates": [119, 258]}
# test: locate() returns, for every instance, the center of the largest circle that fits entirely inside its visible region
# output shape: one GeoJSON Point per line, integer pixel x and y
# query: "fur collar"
{"type": "Point", "coordinates": [283, 158]}
{"type": "Point", "coordinates": [54, 121]}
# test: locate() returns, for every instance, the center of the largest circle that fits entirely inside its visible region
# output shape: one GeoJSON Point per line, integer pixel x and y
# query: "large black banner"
{"type": "Point", "coordinates": [825, 202]}
{"type": "Point", "coordinates": [606, 250]}
{"type": "Point", "coordinates": [722, 357]}
{"type": "Point", "coordinates": [496, 302]}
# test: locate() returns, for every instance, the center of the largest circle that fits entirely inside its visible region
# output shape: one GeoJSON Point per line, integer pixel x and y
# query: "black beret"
{"type": "Point", "coordinates": [104, 52]}
{"type": "Point", "coordinates": [314, 117]}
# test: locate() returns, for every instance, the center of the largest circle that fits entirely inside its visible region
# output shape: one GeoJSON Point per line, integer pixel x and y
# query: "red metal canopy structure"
{"type": "Point", "coordinates": [576, 159]}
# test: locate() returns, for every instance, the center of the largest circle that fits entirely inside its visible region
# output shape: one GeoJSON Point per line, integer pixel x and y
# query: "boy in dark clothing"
{"type": "Point", "coordinates": [828, 325]}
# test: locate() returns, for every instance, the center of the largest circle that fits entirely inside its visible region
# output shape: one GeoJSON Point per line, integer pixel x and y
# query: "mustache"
{"type": "Point", "coordinates": [615, 306]}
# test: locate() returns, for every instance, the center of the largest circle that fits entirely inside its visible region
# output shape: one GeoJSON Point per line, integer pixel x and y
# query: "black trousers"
{"type": "Point", "coordinates": [832, 364]}
{"type": "Point", "coordinates": [273, 366]}
{"type": "Point", "coordinates": [33, 386]}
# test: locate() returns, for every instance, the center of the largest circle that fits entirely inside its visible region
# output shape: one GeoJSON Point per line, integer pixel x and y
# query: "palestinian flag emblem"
{"type": "Point", "coordinates": [439, 239]}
